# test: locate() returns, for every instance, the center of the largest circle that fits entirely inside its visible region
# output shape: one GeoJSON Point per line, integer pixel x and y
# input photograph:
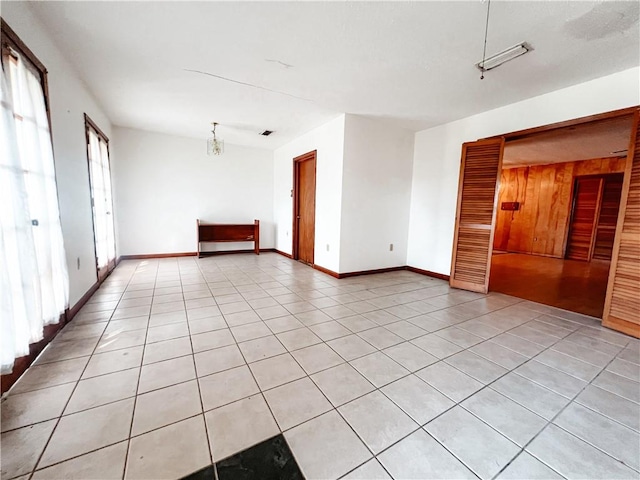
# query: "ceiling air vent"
{"type": "Point", "coordinates": [266, 133]}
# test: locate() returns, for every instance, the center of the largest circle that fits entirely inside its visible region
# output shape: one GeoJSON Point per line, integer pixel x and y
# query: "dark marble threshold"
{"type": "Point", "coordinates": [268, 460]}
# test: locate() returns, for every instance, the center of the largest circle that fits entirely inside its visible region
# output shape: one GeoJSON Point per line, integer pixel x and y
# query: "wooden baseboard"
{"type": "Point", "coordinates": [371, 272]}
{"type": "Point", "coordinates": [21, 364]}
{"type": "Point", "coordinates": [428, 273]}
{"type": "Point", "coordinates": [227, 252]}
{"type": "Point", "coordinates": [73, 311]}
{"type": "Point", "coordinates": [284, 254]}
{"type": "Point", "coordinates": [326, 270]}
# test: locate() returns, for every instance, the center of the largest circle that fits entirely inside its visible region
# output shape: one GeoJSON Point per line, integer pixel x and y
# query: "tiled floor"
{"type": "Point", "coordinates": [178, 363]}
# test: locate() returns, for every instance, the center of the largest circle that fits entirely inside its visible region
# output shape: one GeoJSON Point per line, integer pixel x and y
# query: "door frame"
{"type": "Point", "coordinates": [111, 265]}
{"type": "Point", "coordinates": [629, 111]}
{"type": "Point", "coordinates": [312, 155]}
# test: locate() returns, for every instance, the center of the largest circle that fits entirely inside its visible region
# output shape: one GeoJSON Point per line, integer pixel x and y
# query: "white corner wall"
{"type": "Point", "coordinates": [69, 100]}
{"type": "Point", "coordinates": [163, 183]}
{"type": "Point", "coordinates": [376, 195]}
{"type": "Point", "coordinates": [328, 141]}
{"type": "Point", "coordinates": [437, 155]}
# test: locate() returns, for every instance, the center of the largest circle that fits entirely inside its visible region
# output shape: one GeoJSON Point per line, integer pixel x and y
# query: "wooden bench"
{"type": "Point", "coordinates": [225, 232]}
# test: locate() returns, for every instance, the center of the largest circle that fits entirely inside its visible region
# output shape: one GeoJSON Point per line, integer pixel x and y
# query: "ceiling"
{"type": "Point", "coordinates": [605, 138]}
{"type": "Point", "coordinates": [291, 66]}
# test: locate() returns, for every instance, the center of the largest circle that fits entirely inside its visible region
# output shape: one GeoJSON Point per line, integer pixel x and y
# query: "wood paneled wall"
{"type": "Point", "coordinates": [544, 192]}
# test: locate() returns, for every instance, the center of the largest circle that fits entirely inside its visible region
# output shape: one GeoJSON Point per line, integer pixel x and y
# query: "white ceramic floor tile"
{"type": "Point", "coordinates": [296, 402]}
{"type": "Point", "coordinates": [420, 457]}
{"type": "Point", "coordinates": [326, 447]}
{"type": "Point", "coordinates": [611, 437]}
{"type": "Point", "coordinates": [21, 409]}
{"type": "Point", "coordinates": [227, 387]}
{"type": "Point", "coordinates": [276, 371]}
{"type": "Point", "coordinates": [535, 397]}
{"type": "Point", "coordinates": [50, 374]}
{"type": "Point", "coordinates": [526, 466]}
{"type": "Point", "coordinates": [21, 448]}
{"type": "Point", "coordinates": [453, 383]}
{"type": "Point", "coordinates": [171, 452]}
{"type": "Point", "coordinates": [104, 389]}
{"type": "Point", "coordinates": [217, 360]}
{"type": "Point", "coordinates": [510, 419]}
{"type": "Point", "coordinates": [379, 369]}
{"type": "Point", "coordinates": [316, 358]}
{"type": "Point", "coordinates": [409, 356]}
{"type": "Point", "coordinates": [239, 425]}
{"type": "Point", "coordinates": [167, 405]}
{"type": "Point", "coordinates": [417, 398]}
{"type": "Point", "coordinates": [371, 470]}
{"type": "Point", "coordinates": [261, 348]}
{"type": "Point", "coordinates": [342, 384]}
{"type": "Point", "coordinates": [377, 420]}
{"type": "Point", "coordinates": [477, 445]}
{"type": "Point", "coordinates": [165, 373]}
{"type": "Point", "coordinates": [88, 430]}
{"type": "Point", "coordinates": [573, 458]}
{"type": "Point", "coordinates": [104, 464]}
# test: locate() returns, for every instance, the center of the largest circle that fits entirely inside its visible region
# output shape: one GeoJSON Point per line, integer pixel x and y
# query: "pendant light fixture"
{"type": "Point", "coordinates": [215, 145]}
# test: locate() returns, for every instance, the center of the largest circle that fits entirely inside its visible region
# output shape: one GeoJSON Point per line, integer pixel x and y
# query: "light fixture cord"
{"type": "Point", "coordinates": [486, 32]}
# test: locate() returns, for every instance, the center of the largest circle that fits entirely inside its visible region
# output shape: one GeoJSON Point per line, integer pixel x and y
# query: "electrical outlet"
{"type": "Point", "coordinates": [78, 262]}
{"type": "Point", "coordinates": [327, 247]}
{"type": "Point", "coordinates": [391, 247]}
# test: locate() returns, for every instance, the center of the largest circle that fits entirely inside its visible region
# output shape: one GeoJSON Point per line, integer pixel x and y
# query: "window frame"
{"type": "Point", "coordinates": [11, 40]}
{"type": "Point", "coordinates": [91, 125]}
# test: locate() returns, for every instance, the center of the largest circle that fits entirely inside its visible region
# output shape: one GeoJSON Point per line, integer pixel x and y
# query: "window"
{"type": "Point", "coordinates": [101, 200]}
{"type": "Point", "coordinates": [34, 282]}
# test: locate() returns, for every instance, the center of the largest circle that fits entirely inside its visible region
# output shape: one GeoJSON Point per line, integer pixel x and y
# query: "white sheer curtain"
{"type": "Point", "coordinates": [33, 270]}
{"type": "Point", "coordinates": [102, 201]}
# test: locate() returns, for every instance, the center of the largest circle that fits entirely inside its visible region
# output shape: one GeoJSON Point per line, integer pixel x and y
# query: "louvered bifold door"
{"type": "Point", "coordinates": [476, 213]}
{"type": "Point", "coordinates": [622, 304]}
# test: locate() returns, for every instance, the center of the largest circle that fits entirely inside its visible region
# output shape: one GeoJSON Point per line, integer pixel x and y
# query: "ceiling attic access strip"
{"type": "Point", "coordinates": [471, 261]}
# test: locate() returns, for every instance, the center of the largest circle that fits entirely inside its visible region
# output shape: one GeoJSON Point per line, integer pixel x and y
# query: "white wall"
{"type": "Point", "coordinates": [328, 140]}
{"type": "Point", "coordinates": [437, 155]}
{"type": "Point", "coordinates": [376, 195]}
{"type": "Point", "coordinates": [69, 100]}
{"type": "Point", "coordinates": [163, 183]}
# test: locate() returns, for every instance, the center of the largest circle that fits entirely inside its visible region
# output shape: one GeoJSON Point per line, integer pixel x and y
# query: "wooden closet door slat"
{"type": "Point", "coordinates": [477, 196]}
{"type": "Point", "coordinates": [622, 303]}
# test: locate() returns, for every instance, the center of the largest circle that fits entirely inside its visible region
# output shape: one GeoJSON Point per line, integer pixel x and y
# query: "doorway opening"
{"type": "Point", "coordinates": [573, 205]}
{"type": "Point", "coordinates": [304, 207]}
{"type": "Point", "coordinates": [101, 199]}
{"type": "Point", "coordinates": [557, 212]}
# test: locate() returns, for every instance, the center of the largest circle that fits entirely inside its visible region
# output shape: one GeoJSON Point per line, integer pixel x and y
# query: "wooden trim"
{"type": "Point", "coordinates": [607, 319]}
{"type": "Point", "coordinates": [21, 364]}
{"type": "Point", "coordinates": [371, 272]}
{"type": "Point", "coordinates": [288, 255]}
{"type": "Point", "coordinates": [428, 273]}
{"type": "Point", "coordinates": [90, 123]}
{"type": "Point", "coordinates": [73, 311]}
{"type": "Point", "coordinates": [11, 38]}
{"type": "Point", "coordinates": [622, 325]}
{"type": "Point", "coordinates": [326, 270]}
{"type": "Point", "coordinates": [466, 285]}
{"type": "Point", "coordinates": [567, 123]}
{"type": "Point", "coordinates": [312, 155]}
